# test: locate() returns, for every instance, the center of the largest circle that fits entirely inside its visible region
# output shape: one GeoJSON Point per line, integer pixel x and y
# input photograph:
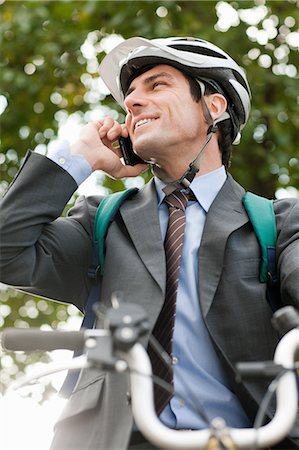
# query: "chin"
{"type": "Point", "coordinates": [144, 150]}
{"type": "Point", "coordinates": [147, 148]}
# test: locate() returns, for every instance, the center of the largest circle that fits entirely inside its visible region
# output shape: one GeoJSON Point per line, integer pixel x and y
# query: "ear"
{"type": "Point", "coordinates": [217, 105]}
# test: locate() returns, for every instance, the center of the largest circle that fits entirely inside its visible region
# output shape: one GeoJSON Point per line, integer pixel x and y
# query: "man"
{"type": "Point", "coordinates": [186, 102]}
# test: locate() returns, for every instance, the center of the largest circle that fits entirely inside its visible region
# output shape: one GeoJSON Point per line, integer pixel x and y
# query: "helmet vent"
{"type": "Point", "coordinates": [189, 39]}
{"type": "Point", "coordinates": [196, 49]}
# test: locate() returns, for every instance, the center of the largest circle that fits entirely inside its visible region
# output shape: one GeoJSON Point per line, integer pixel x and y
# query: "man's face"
{"type": "Point", "coordinates": [162, 118]}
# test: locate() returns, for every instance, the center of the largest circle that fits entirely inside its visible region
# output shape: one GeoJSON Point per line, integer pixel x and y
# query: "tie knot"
{"type": "Point", "coordinates": [177, 200]}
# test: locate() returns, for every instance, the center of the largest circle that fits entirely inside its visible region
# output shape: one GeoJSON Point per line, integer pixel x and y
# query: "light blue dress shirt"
{"type": "Point", "coordinates": [199, 380]}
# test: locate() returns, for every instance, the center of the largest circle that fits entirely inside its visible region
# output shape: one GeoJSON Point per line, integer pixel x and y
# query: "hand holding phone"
{"type": "Point", "coordinates": [130, 157]}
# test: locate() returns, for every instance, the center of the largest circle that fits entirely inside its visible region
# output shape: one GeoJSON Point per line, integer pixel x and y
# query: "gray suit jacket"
{"type": "Point", "coordinates": [49, 256]}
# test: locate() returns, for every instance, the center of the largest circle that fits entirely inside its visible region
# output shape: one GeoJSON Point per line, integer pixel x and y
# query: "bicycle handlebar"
{"type": "Point", "coordinates": [148, 422]}
{"type": "Point", "coordinates": [27, 340]}
{"type": "Point", "coordinates": [121, 346]}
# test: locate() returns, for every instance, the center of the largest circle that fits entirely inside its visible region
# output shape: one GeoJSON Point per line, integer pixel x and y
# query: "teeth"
{"type": "Point", "coordinates": [142, 121]}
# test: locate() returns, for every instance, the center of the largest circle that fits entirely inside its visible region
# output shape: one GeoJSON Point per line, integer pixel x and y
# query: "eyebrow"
{"type": "Point", "coordinates": [151, 79]}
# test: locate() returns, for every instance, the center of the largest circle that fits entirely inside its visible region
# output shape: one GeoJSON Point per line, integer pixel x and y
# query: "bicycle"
{"type": "Point", "coordinates": [116, 347]}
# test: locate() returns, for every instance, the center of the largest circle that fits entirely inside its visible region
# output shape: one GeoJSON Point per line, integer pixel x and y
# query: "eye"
{"type": "Point", "coordinates": [158, 83]}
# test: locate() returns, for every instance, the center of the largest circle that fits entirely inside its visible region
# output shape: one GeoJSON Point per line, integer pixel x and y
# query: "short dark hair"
{"type": "Point", "coordinates": [225, 127]}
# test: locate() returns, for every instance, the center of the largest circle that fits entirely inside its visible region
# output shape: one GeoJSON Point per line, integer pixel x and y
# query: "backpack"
{"type": "Point", "coordinates": [261, 214]}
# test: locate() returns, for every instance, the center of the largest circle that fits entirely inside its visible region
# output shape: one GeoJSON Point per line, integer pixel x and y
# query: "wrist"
{"type": "Point", "coordinates": [74, 163]}
{"type": "Point", "coordinates": [79, 148]}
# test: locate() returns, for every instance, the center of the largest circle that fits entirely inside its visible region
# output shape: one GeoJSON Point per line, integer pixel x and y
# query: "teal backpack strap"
{"type": "Point", "coordinates": [105, 215]}
{"type": "Point", "coordinates": [261, 214]}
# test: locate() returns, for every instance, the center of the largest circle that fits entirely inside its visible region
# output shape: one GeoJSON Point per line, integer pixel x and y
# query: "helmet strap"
{"type": "Point", "coordinates": [194, 167]}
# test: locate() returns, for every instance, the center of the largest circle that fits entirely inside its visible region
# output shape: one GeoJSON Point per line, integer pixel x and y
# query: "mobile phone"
{"type": "Point", "coordinates": [130, 157]}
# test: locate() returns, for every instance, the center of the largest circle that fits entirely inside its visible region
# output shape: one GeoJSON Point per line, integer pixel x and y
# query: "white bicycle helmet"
{"type": "Point", "coordinates": [200, 59]}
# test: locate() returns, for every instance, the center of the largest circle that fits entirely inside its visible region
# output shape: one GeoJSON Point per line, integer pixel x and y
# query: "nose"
{"type": "Point", "coordinates": [134, 100]}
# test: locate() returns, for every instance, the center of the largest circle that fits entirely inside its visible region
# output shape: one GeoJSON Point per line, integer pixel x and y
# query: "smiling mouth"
{"type": "Point", "coordinates": [143, 122]}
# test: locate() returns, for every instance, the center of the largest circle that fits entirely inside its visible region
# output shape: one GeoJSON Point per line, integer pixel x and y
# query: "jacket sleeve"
{"type": "Point", "coordinates": [287, 217]}
{"type": "Point", "coordinates": [41, 252]}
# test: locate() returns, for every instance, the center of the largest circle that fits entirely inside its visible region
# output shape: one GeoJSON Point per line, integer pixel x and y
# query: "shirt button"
{"type": "Point", "coordinates": [182, 402]}
{"type": "Point", "coordinates": [61, 160]}
{"type": "Point", "coordinates": [175, 360]}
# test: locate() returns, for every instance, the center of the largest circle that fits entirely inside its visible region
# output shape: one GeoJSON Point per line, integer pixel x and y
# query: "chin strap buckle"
{"type": "Point", "coordinates": [188, 176]}
{"type": "Point", "coordinates": [212, 129]}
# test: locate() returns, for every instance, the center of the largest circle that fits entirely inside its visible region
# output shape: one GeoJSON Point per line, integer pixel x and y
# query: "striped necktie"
{"type": "Point", "coordinates": [163, 329]}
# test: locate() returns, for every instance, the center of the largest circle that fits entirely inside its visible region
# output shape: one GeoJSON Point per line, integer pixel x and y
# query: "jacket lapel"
{"type": "Point", "coordinates": [225, 215]}
{"type": "Point", "coordinates": [140, 215]}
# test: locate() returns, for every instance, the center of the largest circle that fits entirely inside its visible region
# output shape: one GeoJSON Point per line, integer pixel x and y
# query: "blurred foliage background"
{"type": "Point", "coordinates": [50, 86]}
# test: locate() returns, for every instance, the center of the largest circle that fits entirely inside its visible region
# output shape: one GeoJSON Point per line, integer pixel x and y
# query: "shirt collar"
{"type": "Point", "coordinates": [205, 187]}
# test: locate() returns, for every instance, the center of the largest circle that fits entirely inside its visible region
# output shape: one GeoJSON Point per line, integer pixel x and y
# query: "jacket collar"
{"type": "Point", "coordinates": [204, 187]}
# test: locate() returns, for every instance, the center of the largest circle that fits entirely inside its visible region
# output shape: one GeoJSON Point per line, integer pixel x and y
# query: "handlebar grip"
{"type": "Point", "coordinates": [16, 339]}
{"type": "Point", "coordinates": [252, 370]}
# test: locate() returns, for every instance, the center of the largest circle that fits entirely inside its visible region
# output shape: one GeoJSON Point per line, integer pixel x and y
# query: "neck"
{"type": "Point", "coordinates": [174, 169]}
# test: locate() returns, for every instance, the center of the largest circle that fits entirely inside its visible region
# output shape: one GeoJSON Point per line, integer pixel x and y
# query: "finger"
{"type": "Point", "coordinates": [114, 132]}
{"type": "Point", "coordinates": [105, 126]}
{"type": "Point", "coordinates": [110, 128]}
{"type": "Point", "coordinates": [130, 171]}
{"type": "Point", "coordinates": [124, 131]}
{"type": "Point", "coordinates": [116, 149]}
{"type": "Point", "coordinates": [99, 123]}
